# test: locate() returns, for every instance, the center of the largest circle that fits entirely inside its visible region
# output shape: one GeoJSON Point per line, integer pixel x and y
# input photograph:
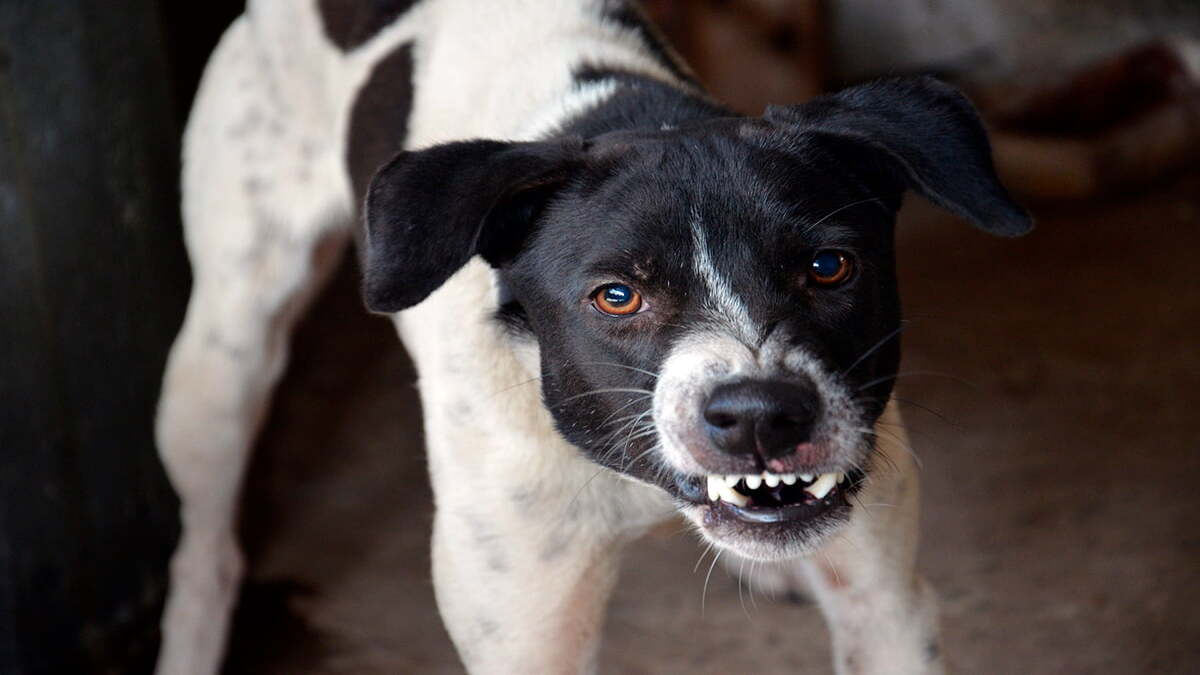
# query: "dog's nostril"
{"type": "Point", "coordinates": [785, 422]}
{"type": "Point", "coordinates": [768, 417]}
{"type": "Point", "coordinates": [721, 420]}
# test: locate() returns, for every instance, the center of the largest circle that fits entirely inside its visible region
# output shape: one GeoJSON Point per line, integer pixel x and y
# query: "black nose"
{"type": "Point", "coordinates": [764, 416]}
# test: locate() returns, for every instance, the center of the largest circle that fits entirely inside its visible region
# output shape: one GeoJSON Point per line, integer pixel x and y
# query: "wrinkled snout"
{"type": "Point", "coordinates": [761, 419]}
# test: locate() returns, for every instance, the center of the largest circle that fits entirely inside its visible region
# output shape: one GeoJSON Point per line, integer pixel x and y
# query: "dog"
{"type": "Point", "coordinates": [623, 301]}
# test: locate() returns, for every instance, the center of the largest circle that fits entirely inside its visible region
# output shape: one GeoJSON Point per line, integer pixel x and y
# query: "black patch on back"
{"type": "Point", "coordinates": [379, 121]}
{"type": "Point", "coordinates": [350, 23]}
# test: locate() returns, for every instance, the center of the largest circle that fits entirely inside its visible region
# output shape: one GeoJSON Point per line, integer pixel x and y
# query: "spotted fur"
{"type": "Point", "coordinates": [502, 141]}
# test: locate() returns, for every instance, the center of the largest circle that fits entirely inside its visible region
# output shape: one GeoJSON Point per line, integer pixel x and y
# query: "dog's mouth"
{"type": "Point", "coordinates": [771, 498]}
{"type": "Point", "coordinates": [774, 498]}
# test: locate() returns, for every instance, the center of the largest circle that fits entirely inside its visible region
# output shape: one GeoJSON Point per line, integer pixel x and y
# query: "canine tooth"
{"type": "Point", "coordinates": [733, 496]}
{"type": "Point", "coordinates": [806, 477]}
{"type": "Point", "coordinates": [770, 479]}
{"type": "Point", "coordinates": [822, 486]}
{"type": "Point", "coordinates": [753, 482]}
{"type": "Point", "coordinates": [788, 478]}
{"type": "Point", "coordinates": [714, 488]}
{"type": "Point", "coordinates": [841, 478]}
{"type": "Point", "coordinates": [732, 480]}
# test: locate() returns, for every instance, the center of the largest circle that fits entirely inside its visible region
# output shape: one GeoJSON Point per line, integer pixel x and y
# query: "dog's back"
{"type": "Point", "coordinates": [376, 77]}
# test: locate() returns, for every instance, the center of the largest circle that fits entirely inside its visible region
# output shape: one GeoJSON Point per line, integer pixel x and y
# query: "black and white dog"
{"type": "Point", "coordinates": [623, 302]}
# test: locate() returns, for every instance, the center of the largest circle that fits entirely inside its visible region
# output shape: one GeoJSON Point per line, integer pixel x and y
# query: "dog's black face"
{"type": "Point", "coordinates": [715, 305]}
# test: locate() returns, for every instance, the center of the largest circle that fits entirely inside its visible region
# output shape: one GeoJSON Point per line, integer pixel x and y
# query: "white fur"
{"type": "Point", "coordinates": [883, 616]}
{"type": "Point", "coordinates": [710, 356]}
{"type": "Point", "coordinates": [725, 306]}
{"type": "Point", "coordinates": [526, 541]}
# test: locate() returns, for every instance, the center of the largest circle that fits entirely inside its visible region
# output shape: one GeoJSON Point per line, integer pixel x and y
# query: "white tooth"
{"type": "Point", "coordinates": [822, 486]}
{"type": "Point", "coordinates": [788, 478]}
{"type": "Point", "coordinates": [806, 477]}
{"type": "Point", "coordinates": [841, 478]}
{"type": "Point", "coordinates": [733, 496]}
{"type": "Point", "coordinates": [770, 479]}
{"type": "Point", "coordinates": [753, 482]}
{"type": "Point", "coordinates": [714, 488]}
{"type": "Point", "coordinates": [732, 480]}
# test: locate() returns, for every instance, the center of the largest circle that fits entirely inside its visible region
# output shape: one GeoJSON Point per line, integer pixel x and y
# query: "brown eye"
{"type": "Point", "coordinates": [830, 268]}
{"type": "Point", "coordinates": [617, 300]}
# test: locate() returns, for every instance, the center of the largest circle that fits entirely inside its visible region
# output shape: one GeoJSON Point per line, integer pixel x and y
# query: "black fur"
{"type": "Point", "coordinates": [614, 199]}
{"type": "Point", "coordinates": [931, 131]}
{"type": "Point", "coordinates": [428, 212]}
{"type": "Point", "coordinates": [379, 119]}
{"type": "Point", "coordinates": [350, 23]}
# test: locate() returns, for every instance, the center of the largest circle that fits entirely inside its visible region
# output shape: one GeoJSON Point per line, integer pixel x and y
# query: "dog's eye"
{"type": "Point", "coordinates": [617, 300]}
{"type": "Point", "coordinates": [830, 268]}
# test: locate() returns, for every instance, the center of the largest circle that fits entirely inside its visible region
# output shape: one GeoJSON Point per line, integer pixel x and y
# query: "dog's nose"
{"type": "Point", "coordinates": [764, 416]}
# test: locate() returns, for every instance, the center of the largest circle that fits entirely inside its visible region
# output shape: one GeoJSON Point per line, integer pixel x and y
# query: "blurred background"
{"type": "Point", "coordinates": [1051, 382]}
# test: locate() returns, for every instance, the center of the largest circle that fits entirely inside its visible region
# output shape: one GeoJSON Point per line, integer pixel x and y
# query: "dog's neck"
{"type": "Point", "coordinates": [637, 103]}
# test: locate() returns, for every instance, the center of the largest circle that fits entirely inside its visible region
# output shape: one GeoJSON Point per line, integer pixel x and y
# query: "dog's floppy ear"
{"type": "Point", "coordinates": [931, 132]}
{"type": "Point", "coordinates": [428, 212]}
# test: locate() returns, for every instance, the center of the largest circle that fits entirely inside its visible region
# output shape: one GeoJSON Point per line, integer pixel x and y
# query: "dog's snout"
{"type": "Point", "coordinates": [767, 417]}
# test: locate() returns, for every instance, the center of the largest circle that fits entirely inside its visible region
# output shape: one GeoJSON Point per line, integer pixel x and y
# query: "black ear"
{"type": "Point", "coordinates": [428, 212]}
{"type": "Point", "coordinates": [931, 132]}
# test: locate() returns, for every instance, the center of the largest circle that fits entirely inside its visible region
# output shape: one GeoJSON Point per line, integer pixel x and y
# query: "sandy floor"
{"type": "Point", "coordinates": [1061, 515]}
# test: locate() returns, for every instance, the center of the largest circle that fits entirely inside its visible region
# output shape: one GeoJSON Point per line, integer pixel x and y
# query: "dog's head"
{"type": "Point", "coordinates": [715, 305]}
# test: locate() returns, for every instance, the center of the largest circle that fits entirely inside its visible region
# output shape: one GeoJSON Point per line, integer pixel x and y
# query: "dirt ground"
{"type": "Point", "coordinates": [1052, 402]}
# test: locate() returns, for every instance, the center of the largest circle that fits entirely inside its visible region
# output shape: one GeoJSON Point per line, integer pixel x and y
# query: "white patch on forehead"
{"type": "Point", "coordinates": [723, 302]}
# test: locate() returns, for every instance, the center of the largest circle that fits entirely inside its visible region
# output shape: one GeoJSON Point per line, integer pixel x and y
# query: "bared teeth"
{"type": "Point", "coordinates": [718, 489]}
{"type": "Point", "coordinates": [822, 485]}
{"type": "Point", "coordinates": [721, 487]}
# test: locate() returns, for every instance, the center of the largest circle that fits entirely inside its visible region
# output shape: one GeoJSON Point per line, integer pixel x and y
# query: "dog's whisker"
{"type": "Point", "coordinates": [514, 386]}
{"type": "Point", "coordinates": [865, 510]}
{"type": "Point", "coordinates": [914, 373]}
{"type": "Point", "coordinates": [838, 210]}
{"type": "Point", "coordinates": [620, 365]}
{"type": "Point", "coordinates": [895, 440]}
{"type": "Point", "coordinates": [872, 350]}
{"type": "Point", "coordinates": [632, 401]}
{"type": "Point", "coordinates": [741, 600]}
{"type": "Point", "coordinates": [931, 411]}
{"type": "Point", "coordinates": [837, 576]}
{"type": "Point", "coordinates": [611, 390]}
{"type": "Point", "coordinates": [703, 553]}
{"type": "Point", "coordinates": [750, 586]}
{"type": "Point", "coordinates": [704, 591]}
{"type": "Point", "coordinates": [635, 460]}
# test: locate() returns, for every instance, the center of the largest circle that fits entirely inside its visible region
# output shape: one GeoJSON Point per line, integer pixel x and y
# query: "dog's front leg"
{"type": "Point", "coordinates": [881, 613]}
{"type": "Point", "coordinates": [516, 610]}
{"type": "Point", "coordinates": [525, 555]}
